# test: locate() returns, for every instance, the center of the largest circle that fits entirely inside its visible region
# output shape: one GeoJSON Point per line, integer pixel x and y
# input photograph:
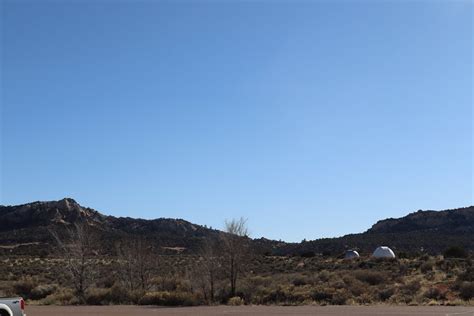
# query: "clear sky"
{"type": "Point", "coordinates": [312, 119]}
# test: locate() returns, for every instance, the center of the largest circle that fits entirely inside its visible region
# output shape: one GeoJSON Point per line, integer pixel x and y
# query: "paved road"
{"type": "Point", "coordinates": [250, 310]}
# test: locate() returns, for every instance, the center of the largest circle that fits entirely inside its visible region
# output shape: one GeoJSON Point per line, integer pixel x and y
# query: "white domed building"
{"type": "Point", "coordinates": [351, 254]}
{"type": "Point", "coordinates": [383, 252]}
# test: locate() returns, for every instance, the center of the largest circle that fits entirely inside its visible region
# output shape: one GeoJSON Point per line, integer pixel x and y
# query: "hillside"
{"type": "Point", "coordinates": [456, 221]}
{"type": "Point", "coordinates": [422, 231]}
{"type": "Point", "coordinates": [26, 230]}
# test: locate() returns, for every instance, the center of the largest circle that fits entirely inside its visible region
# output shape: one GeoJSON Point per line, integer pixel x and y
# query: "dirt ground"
{"type": "Point", "coordinates": [250, 310]}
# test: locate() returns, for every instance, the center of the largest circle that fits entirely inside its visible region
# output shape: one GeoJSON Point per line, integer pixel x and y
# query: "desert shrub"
{"type": "Point", "coordinates": [366, 264]}
{"type": "Point", "coordinates": [235, 301]}
{"type": "Point", "coordinates": [426, 267]}
{"type": "Point", "coordinates": [435, 293]}
{"type": "Point", "coordinates": [299, 281]}
{"type": "Point", "coordinates": [254, 295]}
{"type": "Point", "coordinates": [298, 295]}
{"type": "Point", "coordinates": [455, 252]}
{"type": "Point", "coordinates": [49, 300]}
{"type": "Point", "coordinates": [340, 297]}
{"type": "Point", "coordinates": [467, 275]}
{"type": "Point", "coordinates": [165, 298]}
{"type": "Point", "coordinates": [97, 296]}
{"type": "Point", "coordinates": [370, 277]}
{"type": "Point", "coordinates": [406, 292]}
{"type": "Point", "coordinates": [42, 291]}
{"type": "Point", "coordinates": [173, 284]}
{"type": "Point", "coordinates": [411, 288]}
{"type": "Point", "coordinates": [259, 281]}
{"type": "Point", "coordinates": [385, 294]}
{"type": "Point", "coordinates": [135, 296]}
{"type": "Point", "coordinates": [287, 295]}
{"type": "Point", "coordinates": [24, 287]}
{"type": "Point", "coordinates": [403, 269]}
{"type": "Point", "coordinates": [151, 298]}
{"type": "Point", "coordinates": [168, 284]}
{"type": "Point", "coordinates": [322, 294]}
{"type": "Point", "coordinates": [274, 296]}
{"type": "Point", "coordinates": [365, 298]}
{"type": "Point", "coordinates": [60, 297]}
{"type": "Point", "coordinates": [357, 288]}
{"type": "Point", "coordinates": [119, 295]}
{"type": "Point", "coordinates": [253, 289]}
{"type": "Point", "coordinates": [337, 283]}
{"type": "Point", "coordinates": [274, 280]}
{"type": "Point", "coordinates": [107, 282]}
{"type": "Point", "coordinates": [466, 290]}
{"type": "Point", "coordinates": [446, 265]}
{"type": "Point", "coordinates": [324, 276]}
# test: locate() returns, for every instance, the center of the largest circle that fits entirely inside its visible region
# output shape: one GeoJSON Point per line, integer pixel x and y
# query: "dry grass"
{"type": "Point", "coordinates": [268, 281]}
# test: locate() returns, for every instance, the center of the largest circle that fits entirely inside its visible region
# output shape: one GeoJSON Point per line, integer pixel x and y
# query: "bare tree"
{"type": "Point", "coordinates": [207, 270]}
{"type": "Point", "coordinates": [235, 249]}
{"type": "Point", "coordinates": [76, 246]}
{"type": "Point", "coordinates": [199, 280]}
{"type": "Point", "coordinates": [138, 260]}
{"type": "Point", "coordinates": [126, 262]}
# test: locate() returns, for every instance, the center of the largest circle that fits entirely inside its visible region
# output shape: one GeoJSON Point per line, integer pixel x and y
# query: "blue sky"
{"type": "Point", "coordinates": [312, 119]}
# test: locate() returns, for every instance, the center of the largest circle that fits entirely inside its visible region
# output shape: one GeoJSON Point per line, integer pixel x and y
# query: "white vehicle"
{"type": "Point", "coordinates": [12, 307]}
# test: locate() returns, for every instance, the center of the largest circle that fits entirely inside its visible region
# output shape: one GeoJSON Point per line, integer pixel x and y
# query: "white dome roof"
{"type": "Point", "coordinates": [351, 254]}
{"type": "Point", "coordinates": [383, 252]}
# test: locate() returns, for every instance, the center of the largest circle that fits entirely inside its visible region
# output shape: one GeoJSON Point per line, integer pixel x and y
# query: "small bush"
{"type": "Point", "coordinates": [435, 294]}
{"type": "Point", "coordinates": [24, 287]}
{"type": "Point", "coordinates": [426, 267]}
{"type": "Point", "coordinates": [97, 296]}
{"type": "Point", "coordinates": [299, 281]}
{"type": "Point", "coordinates": [340, 298]}
{"type": "Point", "coordinates": [370, 277]}
{"type": "Point", "coordinates": [357, 287]}
{"type": "Point", "coordinates": [287, 295]}
{"type": "Point", "coordinates": [466, 290]}
{"type": "Point", "coordinates": [42, 291]}
{"type": "Point", "coordinates": [165, 298]}
{"type": "Point", "coordinates": [467, 275]}
{"type": "Point", "coordinates": [235, 301]}
{"type": "Point", "coordinates": [119, 295]}
{"type": "Point", "coordinates": [411, 288]}
{"type": "Point", "coordinates": [324, 276]}
{"type": "Point", "coordinates": [322, 294]}
{"type": "Point", "coordinates": [385, 294]}
{"type": "Point", "coordinates": [60, 297]}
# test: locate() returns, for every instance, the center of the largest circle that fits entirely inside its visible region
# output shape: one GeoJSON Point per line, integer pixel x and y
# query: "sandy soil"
{"type": "Point", "coordinates": [250, 310]}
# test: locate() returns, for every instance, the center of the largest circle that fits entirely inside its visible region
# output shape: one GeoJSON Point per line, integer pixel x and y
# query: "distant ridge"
{"type": "Point", "coordinates": [459, 220]}
{"type": "Point", "coordinates": [32, 222]}
{"type": "Point", "coordinates": [25, 230]}
{"type": "Point", "coordinates": [422, 231]}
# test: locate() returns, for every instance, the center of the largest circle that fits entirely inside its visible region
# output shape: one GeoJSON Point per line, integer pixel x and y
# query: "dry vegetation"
{"type": "Point", "coordinates": [185, 280]}
{"type": "Point", "coordinates": [229, 273]}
